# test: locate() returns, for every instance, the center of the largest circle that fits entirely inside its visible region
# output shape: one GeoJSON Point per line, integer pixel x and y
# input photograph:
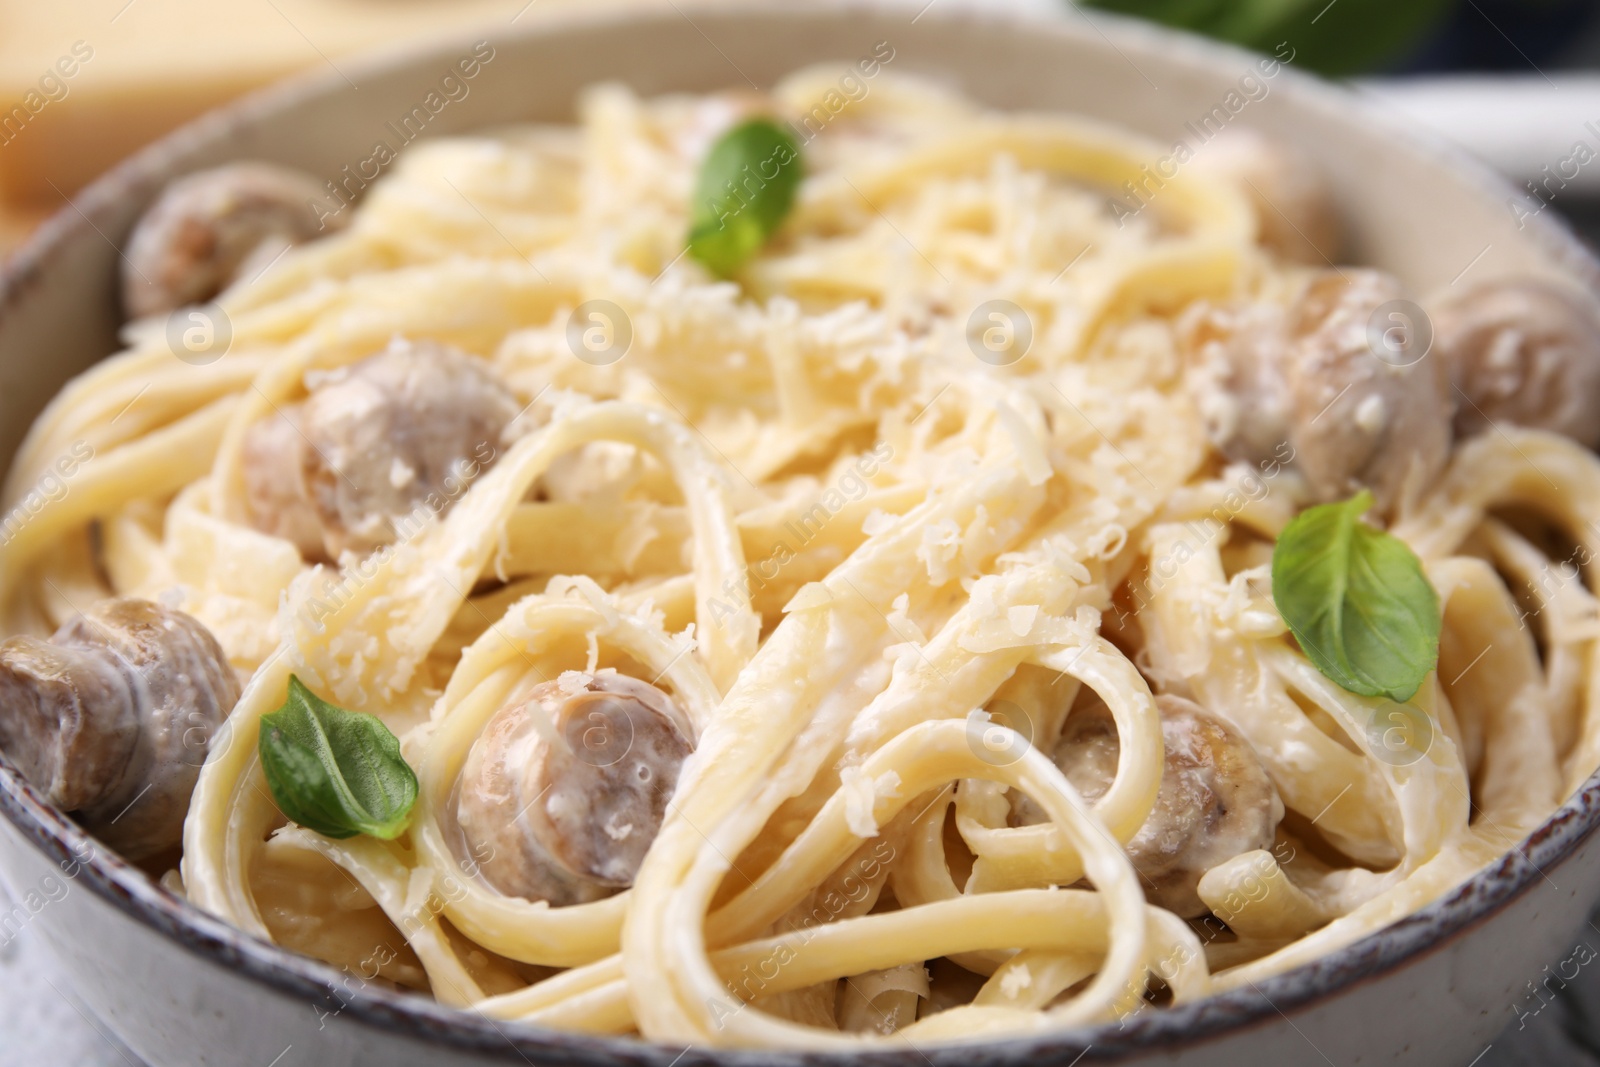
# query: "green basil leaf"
{"type": "Point", "coordinates": [334, 771]}
{"type": "Point", "coordinates": [746, 187]}
{"type": "Point", "coordinates": [1357, 600]}
{"type": "Point", "coordinates": [1348, 37]}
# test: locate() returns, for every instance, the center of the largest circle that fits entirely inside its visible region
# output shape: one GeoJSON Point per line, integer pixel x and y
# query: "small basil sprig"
{"type": "Point", "coordinates": [1357, 601]}
{"type": "Point", "coordinates": [334, 771]}
{"type": "Point", "coordinates": [745, 190]}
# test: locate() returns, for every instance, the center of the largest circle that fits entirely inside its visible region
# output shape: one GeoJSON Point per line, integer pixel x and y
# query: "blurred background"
{"type": "Point", "coordinates": [83, 83]}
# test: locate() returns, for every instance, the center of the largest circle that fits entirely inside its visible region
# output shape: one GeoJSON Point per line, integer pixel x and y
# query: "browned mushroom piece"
{"type": "Point", "coordinates": [192, 242]}
{"type": "Point", "coordinates": [1294, 208]}
{"type": "Point", "coordinates": [376, 449]}
{"type": "Point", "coordinates": [112, 717]}
{"type": "Point", "coordinates": [563, 793]}
{"type": "Point", "coordinates": [1308, 382]}
{"type": "Point", "coordinates": [1215, 799]}
{"type": "Point", "coordinates": [1522, 351]}
{"type": "Point", "coordinates": [274, 485]}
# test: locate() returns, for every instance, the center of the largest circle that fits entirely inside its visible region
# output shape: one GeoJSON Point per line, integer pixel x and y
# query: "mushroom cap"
{"type": "Point", "coordinates": [1307, 384]}
{"type": "Point", "coordinates": [69, 723]}
{"type": "Point", "coordinates": [377, 448]}
{"type": "Point", "coordinates": [1236, 356]}
{"type": "Point", "coordinates": [1523, 351]}
{"type": "Point", "coordinates": [275, 493]}
{"type": "Point", "coordinates": [192, 241]}
{"type": "Point", "coordinates": [114, 716]}
{"type": "Point", "coordinates": [564, 791]}
{"type": "Point", "coordinates": [1360, 420]}
{"type": "Point", "coordinates": [1215, 800]}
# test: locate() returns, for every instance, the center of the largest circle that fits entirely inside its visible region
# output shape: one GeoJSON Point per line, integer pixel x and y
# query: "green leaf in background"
{"type": "Point", "coordinates": [1344, 37]}
{"type": "Point", "coordinates": [334, 771]}
{"type": "Point", "coordinates": [1357, 600]}
{"type": "Point", "coordinates": [745, 190]}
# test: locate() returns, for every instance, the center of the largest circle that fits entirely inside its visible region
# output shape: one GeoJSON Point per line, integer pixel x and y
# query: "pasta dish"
{"type": "Point", "coordinates": [806, 569]}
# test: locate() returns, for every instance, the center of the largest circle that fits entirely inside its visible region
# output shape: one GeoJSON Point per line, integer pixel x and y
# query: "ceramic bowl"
{"type": "Point", "coordinates": [182, 988]}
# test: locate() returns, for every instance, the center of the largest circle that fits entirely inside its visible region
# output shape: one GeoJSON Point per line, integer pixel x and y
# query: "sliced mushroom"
{"type": "Point", "coordinates": [274, 485]}
{"type": "Point", "coordinates": [376, 449]}
{"type": "Point", "coordinates": [564, 791]}
{"type": "Point", "coordinates": [113, 716]}
{"type": "Point", "coordinates": [1294, 208]}
{"type": "Point", "coordinates": [1215, 799]}
{"type": "Point", "coordinates": [1523, 351]}
{"type": "Point", "coordinates": [192, 242]}
{"type": "Point", "coordinates": [1308, 383]}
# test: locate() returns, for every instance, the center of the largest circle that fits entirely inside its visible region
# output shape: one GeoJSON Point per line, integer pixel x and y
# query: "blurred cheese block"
{"type": "Point", "coordinates": [85, 83]}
